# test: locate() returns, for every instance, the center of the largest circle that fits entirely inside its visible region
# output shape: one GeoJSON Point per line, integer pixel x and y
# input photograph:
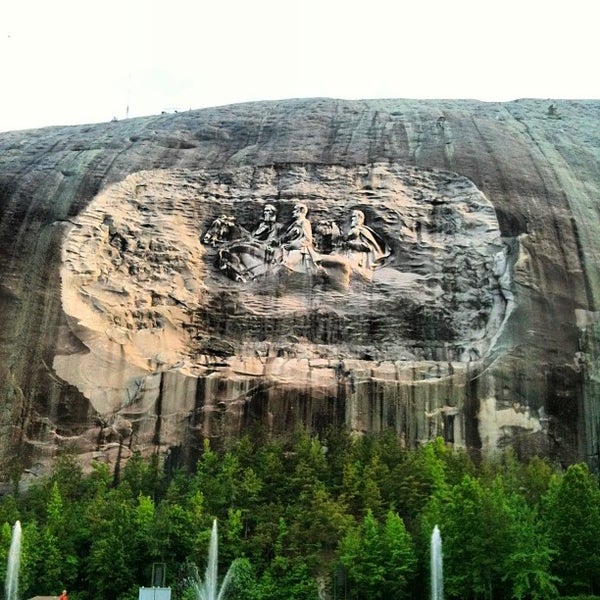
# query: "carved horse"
{"type": "Point", "coordinates": [240, 256]}
{"type": "Point", "coordinates": [243, 258]}
{"type": "Point", "coordinates": [224, 229]}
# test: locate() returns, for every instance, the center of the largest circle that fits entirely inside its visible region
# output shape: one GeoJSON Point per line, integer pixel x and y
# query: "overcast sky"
{"type": "Point", "coordinates": [84, 61]}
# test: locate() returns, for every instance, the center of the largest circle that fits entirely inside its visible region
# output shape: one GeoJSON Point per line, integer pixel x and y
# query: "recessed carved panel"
{"type": "Point", "coordinates": [382, 262]}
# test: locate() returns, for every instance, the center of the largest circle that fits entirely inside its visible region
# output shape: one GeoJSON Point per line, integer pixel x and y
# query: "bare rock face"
{"type": "Point", "coordinates": [429, 267]}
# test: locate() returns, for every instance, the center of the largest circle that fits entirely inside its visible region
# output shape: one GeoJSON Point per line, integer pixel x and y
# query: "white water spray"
{"type": "Point", "coordinates": [11, 584]}
{"type": "Point", "coordinates": [208, 589]}
{"type": "Point", "coordinates": [437, 572]}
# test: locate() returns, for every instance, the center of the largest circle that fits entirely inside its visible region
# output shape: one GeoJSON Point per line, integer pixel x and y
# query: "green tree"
{"type": "Point", "coordinates": [476, 528]}
{"type": "Point", "coordinates": [113, 565]}
{"type": "Point", "coordinates": [573, 518]}
{"type": "Point", "coordinates": [306, 465]}
{"type": "Point", "coordinates": [287, 579]}
{"type": "Point", "coordinates": [379, 561]}
{"type": "Point", "coordinates": [31, 546]}
{"type": "Point", "coordinates": [58, 558]}
{"type": "Point", "coordinates": [243, 583]}
{"type": "Point", "coordinates": [316, 524]}
{"type": "Point", "coordinates": [144, 476]}
{"type": "Point", "coordinates": [400, 557]}
{"type": "Point", "coordinates": [217, 476]}
{"type": "Point", "coordinates": [415, 476]}
{"type": "Point", "coordinates": [143, 544]}
{"type": "Point", "coordinates": [527, 567]}
{"type": "Point", "coordinates": [68, 475]}
{"type": "Point", "coordinates": [181, 529]}
{"type": "Point", "coordinates": [5, 541]}
{"type": "Point", "coordinates": [537, 475]}
{"type": "Point", "coordinates": [9, 511]}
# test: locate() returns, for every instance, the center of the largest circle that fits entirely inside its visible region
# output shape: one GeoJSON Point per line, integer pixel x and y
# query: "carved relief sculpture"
{"type": "Point", "coordinates": [281, 277]}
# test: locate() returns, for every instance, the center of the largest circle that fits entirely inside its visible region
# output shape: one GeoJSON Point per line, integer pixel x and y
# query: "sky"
{"type": "Point", "coordinates": [66, 62]}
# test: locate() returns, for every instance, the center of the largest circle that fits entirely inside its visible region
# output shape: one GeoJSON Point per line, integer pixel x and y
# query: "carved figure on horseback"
{"type": "Point", "coordinates": [245, 255]}
{"type": "Point", "coordinates": [240, 255]}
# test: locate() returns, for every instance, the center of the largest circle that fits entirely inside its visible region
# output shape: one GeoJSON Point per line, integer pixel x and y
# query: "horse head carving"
{"type": "Point", "coordinates": [222, 230]}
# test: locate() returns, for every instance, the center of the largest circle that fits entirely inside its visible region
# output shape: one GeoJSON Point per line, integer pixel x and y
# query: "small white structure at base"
{"type": "Point", "coordinates": [155, 593]}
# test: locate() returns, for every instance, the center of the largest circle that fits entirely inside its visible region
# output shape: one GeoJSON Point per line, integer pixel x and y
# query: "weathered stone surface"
{"type": "Point", "coordinates": [125, 326]}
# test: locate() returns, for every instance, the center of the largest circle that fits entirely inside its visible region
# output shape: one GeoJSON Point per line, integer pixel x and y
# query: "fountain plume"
{"type": "Point", "coordinates": [208, 589]}
{"type": "Point", "coordinates": [11, 584]}
{"type": "Point", "coordinates": [437, 575]}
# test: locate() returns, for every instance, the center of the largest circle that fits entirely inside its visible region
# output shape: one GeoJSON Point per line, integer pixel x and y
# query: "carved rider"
{"type": "Point", "coordinates": [363, 239]}
{"type": "Point", "coordinates": [298, 235]}
{"type": "Point", "coordinates": [268, 229]}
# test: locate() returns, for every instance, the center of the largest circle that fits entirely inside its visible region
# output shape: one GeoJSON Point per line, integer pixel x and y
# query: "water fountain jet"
{"type": "Point", "coordinates": [437, 574]}
{"type": "Point", "coordinates": [208, 589]}
{"type": "Point", "coordinates": [11, 584]}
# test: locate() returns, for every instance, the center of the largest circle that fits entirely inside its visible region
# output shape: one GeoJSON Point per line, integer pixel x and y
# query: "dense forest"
{"type": "Point", "coordinates": [339, 516]}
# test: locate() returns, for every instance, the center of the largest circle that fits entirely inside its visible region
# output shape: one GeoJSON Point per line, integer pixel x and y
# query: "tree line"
{"type": "Point", "coordinates": [334, 516]}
